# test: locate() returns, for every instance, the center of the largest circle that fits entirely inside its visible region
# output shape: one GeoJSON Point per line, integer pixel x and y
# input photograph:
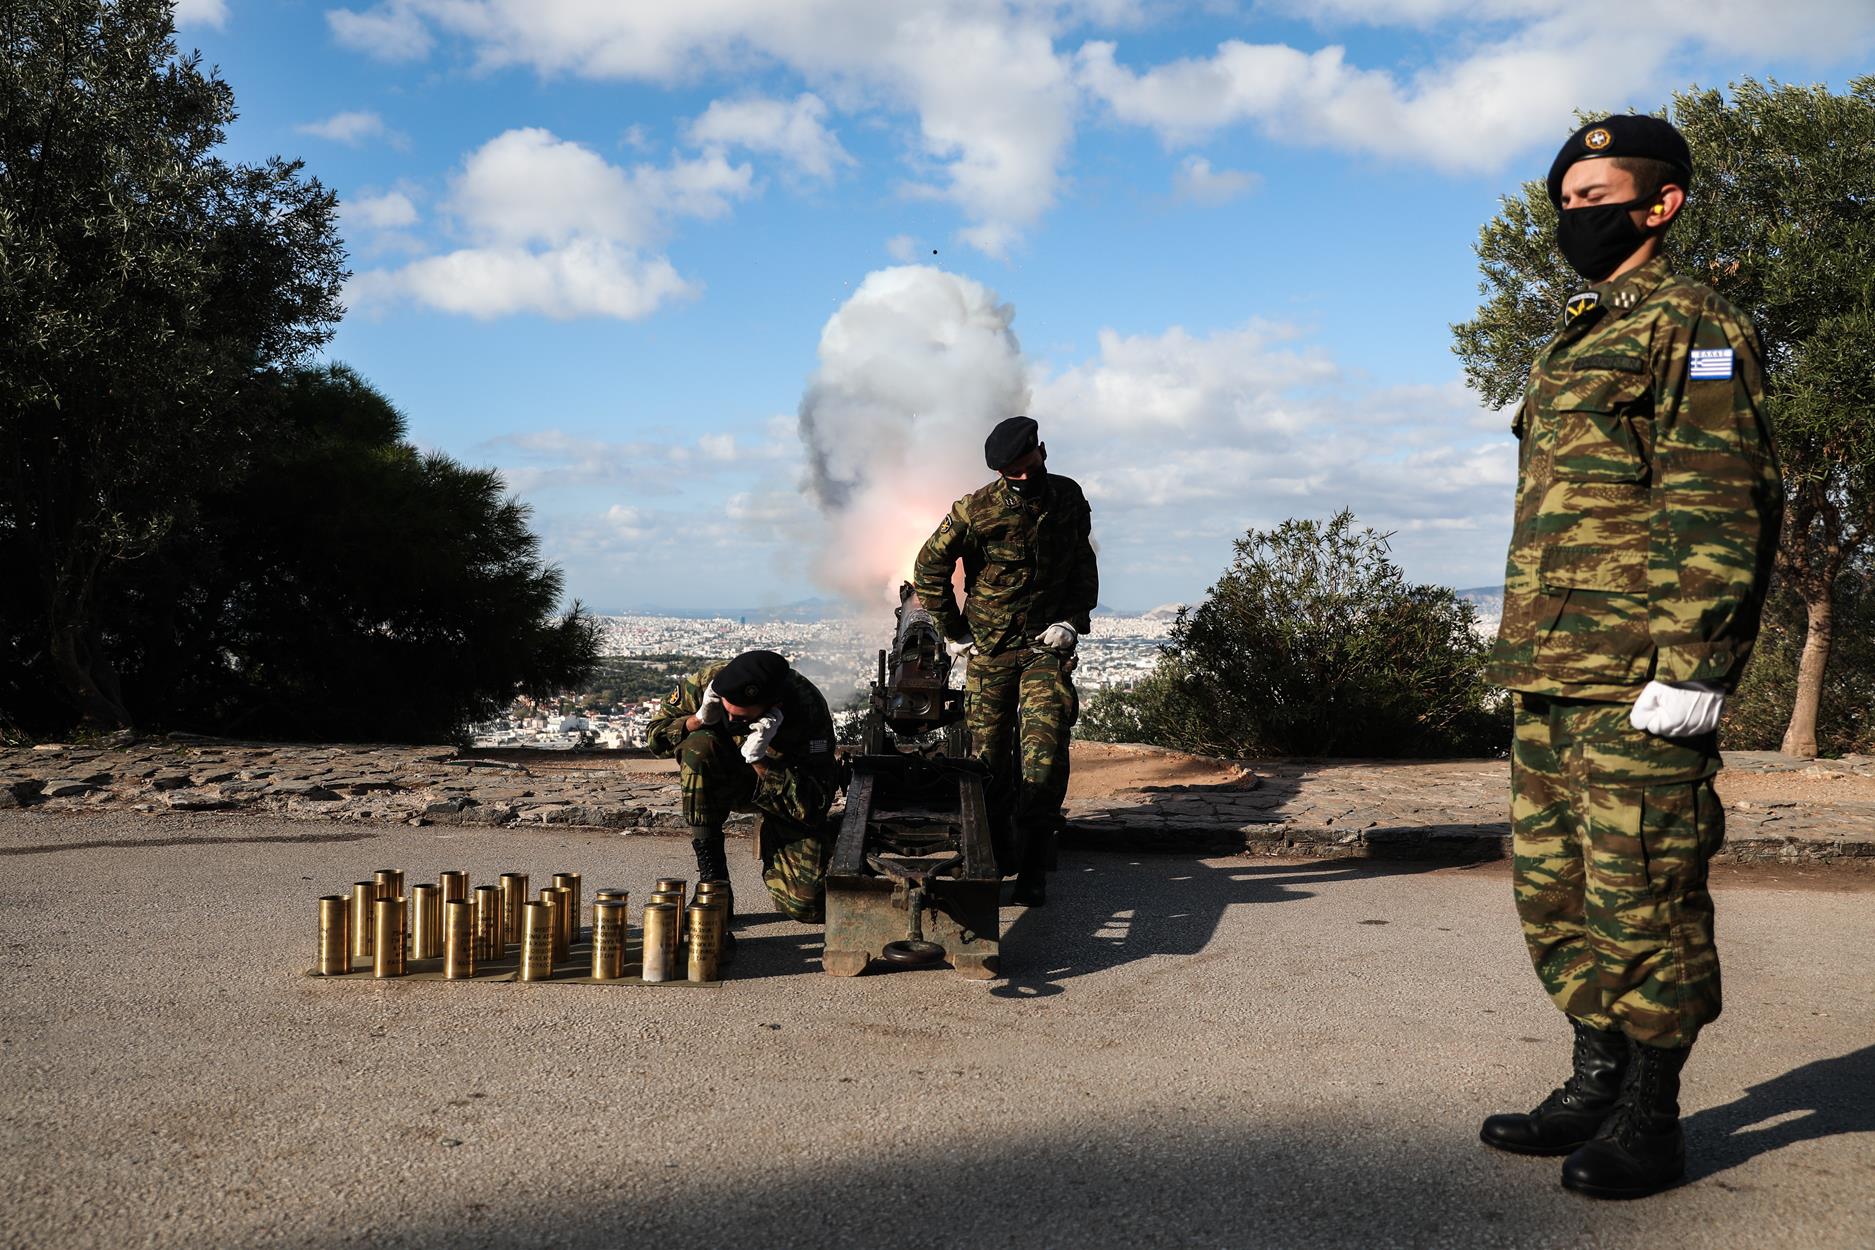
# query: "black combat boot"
{"type": "Point", "coordinates": [1032, 881]}
{"type": "Point", "coordinates": [1570, 1116]}
{"type": "Point", "coordinates": [1640, 1149]}
{"type": "Point", "coordinates": [713, 865]}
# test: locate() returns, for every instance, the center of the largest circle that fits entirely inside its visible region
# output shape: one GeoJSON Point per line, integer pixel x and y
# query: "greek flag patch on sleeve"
{"type": "Point", "coordinates": [1711, 364]}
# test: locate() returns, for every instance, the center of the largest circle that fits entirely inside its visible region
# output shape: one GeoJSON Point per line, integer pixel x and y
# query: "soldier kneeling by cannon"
{"type": "Point", "coordinates": [752, 733]}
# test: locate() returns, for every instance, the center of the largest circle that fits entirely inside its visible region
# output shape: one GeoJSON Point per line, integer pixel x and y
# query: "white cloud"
{"type": "Point", "coordinates": [994, 98]}
{"type": "Point", "coordinates": [392, 210]}
{"type": "Point", "coordinates": [389, 32]}
{"type": "Point", "coordinates": [584, 278]}
{"type": "Point", "coordinates": [1197, 182]}
{"type": "Point", "coordinates": [556, 229]}
{"type": "Point", "coordinates": [1468, 111]}
{"type": "Point", "coordinates": [202, 13]}
{"type": "Point", "coordinates": [350, 128]}
{"type": "Point", "coordinates": [904, 248]}
{"type": "Point", "coordinates": [795, 130]}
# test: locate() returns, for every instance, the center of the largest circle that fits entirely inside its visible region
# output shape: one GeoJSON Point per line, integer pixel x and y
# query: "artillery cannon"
{"type": "Point", "coordinates": [914, 877]}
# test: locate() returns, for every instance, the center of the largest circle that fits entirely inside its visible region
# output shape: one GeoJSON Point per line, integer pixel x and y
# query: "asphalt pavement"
{"type": "Point", "coordinates": [1183, 1052]}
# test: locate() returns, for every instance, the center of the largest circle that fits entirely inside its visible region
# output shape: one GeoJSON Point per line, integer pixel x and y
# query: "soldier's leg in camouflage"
{"type": "Point", "coordinates": [712, 777]}
{"type": "Point", "coordinates": [1549, 881]}
{"type": "Point", "coordinates": [991, 688]}
{"type": "Point", "coordinates": [1654, 824]}
{"type": "Point", "coordinates": [1046, 710]}
{"type": "Point", "coordinates": [794, 868]}
{"type": "Point", "coordinates": [714, 780]}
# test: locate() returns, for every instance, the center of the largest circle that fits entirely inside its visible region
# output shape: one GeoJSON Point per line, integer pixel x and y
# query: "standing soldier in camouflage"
{"type": "Point", "coordinates": [1648, 502]}
{"type": "Point", "coordinates": [754, 734]}
{"type": "Point", "coordinates": [1029, 585]}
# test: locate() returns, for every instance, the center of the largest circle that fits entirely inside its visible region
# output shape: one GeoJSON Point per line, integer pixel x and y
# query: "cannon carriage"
{"type": "Point", "coordinates": [914, 877]}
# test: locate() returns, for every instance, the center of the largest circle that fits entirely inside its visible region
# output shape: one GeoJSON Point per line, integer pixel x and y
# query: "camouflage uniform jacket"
{"type": "Point", "coordinates": [1648, 496]}
{"type": "Point", "coordinates": [801, 769]}
{"type": "Point", "coordinates": [1027, 565]}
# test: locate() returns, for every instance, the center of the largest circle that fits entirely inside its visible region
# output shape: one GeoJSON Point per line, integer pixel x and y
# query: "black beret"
{"type": "Point", "coordinates": [1012, 439]}
{"type": "Point", "coordinates": [752, 677]}
{"type": "Point", "coordinates": [1626, 134]}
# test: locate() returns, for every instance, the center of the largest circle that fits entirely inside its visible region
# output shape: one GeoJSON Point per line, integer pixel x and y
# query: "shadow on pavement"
{"type": "Point", "coordinates": [1106, 910]}
{"type": "Point", "coordinates": [1823, 1099]}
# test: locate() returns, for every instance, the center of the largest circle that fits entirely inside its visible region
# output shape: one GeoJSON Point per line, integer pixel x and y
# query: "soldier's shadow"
{"type": "Point", "coordinates": [1107, 910]}
{"type": "Point", "coordinates": [1822, 1099]}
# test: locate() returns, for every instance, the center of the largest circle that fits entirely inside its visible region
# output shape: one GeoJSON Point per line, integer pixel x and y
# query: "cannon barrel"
{"type": "Point", "coordinates": [913, 694]}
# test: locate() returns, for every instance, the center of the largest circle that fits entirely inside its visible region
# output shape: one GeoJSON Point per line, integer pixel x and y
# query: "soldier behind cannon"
{"type": "Point", "coordinates": [753, 734]}
{"type": "Point", "coordinates": [1029, 583]}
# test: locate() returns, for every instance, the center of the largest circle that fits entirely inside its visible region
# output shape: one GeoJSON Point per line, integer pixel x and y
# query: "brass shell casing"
{"type": "Point", "coordinates": [426, 921]}
{"type": "Point", "coordinates": [335, 935]}
{"type": "Point", "coordinates": [660, 941]}
{"type": "Point", "coordinates": [550, 899]}
{"type": "Point", "coordinates": [571, 882]}
{"type": "Point", "coordinates": [608, 940]}
{"type": "Point", "coordinates": [536, 941]}
{"type": "Point", "coordinates": [387, 918]}
{"type": "Point", "coordinates": [390, 882]}
{"type": "Point", "coordinates": [455, 885]}
{"type": "Point", "coordinates": [458, 940]}
{"type": "Point", "coordinates": [488, 943]}
{"type": "Point", "coordinates": [513, 899]}
{"type": "Point", "coordinates": [621, 897]}
{"type": "Point", "coordinates": [364, 893]}
{"type": "Point", "coordinates": [675, 900]}
{"type": "Point", "coordinates": [706, 941]}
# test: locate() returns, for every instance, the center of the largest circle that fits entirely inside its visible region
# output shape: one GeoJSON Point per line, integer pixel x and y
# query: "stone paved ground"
{"type": "Point", "coordinates": [1142, 798]}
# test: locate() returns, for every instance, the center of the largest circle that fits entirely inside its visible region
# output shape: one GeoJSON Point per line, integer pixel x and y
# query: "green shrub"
{"type": "Point", "coordinates": [1313, 643]}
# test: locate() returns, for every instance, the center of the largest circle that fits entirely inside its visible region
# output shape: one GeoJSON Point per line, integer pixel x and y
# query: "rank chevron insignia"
{"type": "Point", "coordinates": [1580, 303]}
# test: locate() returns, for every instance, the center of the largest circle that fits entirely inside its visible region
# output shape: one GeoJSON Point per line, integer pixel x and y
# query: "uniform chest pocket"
{"type": "Point", "coordinates": [1005, 564]}
{"type": "Point", "coordinates": [1603, 423]}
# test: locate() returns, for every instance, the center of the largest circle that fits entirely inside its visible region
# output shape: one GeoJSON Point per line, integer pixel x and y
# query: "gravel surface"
{"type": "Point", "coordinates": [1185, 1052]}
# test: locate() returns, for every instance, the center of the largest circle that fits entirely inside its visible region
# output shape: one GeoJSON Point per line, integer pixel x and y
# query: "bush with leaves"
{"type": "Point", "coordinates": [346, 586]}
{"type": "Point", "coordinates": [1313, 643]}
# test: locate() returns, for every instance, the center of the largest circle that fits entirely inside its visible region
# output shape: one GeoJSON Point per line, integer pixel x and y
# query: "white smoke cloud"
{"type": "Point", "coordinates": [914, 370]}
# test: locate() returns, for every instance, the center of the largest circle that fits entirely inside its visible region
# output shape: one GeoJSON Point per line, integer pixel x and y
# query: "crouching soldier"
{"type": "Point", "coordinates": [753, 734]}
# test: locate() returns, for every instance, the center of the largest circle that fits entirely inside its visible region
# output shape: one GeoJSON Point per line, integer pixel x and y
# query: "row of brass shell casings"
{"type": "Point", "coordinates": [458, 939]}
{"type": "Point", "coordinates": [387, 922]}
{"type": "Point", "coordinates": [608, 939]}
{"type": "Point", "coordinates": [537, 934]}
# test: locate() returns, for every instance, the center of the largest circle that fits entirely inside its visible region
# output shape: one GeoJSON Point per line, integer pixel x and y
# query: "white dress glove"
{"type": "Point", "coordinates": [710, 711]}
{"type": "Point", "coordinates": [1682, 709]}
{"type": "Point", "coordinates": [958, 650]}
{"type": "Point", "coordinates": [1059, 637]}
{"type": "Point", "coordinates": [761, 736]}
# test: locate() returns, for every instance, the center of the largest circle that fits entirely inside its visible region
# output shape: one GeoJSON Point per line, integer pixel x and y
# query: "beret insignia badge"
{"type": "Point", "coordinates": [1597, 139]}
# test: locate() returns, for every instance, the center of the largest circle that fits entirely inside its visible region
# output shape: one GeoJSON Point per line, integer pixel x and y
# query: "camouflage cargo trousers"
{"type": "Point", "coordinates": [1612, 830]}
{"type": "Point", "coordinates": [793, 802]}
{"type": "Point", "coordinates": [1019, 707]}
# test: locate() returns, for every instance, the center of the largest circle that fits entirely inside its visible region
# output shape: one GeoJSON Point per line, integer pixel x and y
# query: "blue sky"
{"type": "Point", "coordinates": [1214, 248]}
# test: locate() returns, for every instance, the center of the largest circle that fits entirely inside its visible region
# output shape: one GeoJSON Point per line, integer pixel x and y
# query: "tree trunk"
{"type": "Point", "coordinates": [1800, 736]}
{"type": "Point", "coordinates": [100, 710]}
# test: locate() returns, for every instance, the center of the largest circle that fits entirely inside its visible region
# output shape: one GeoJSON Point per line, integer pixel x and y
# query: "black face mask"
{"type": "Point", "coordinates": [1596, 239]}
{"type": "Point", "coordinates": [1028, 487]}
